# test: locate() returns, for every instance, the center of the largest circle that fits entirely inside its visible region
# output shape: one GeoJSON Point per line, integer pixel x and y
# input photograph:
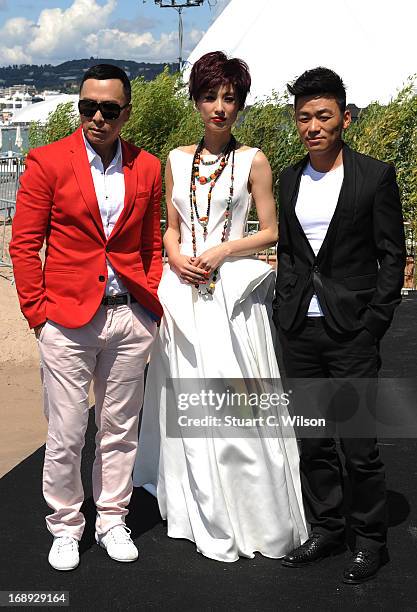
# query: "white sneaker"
{"type": "Point", "coordinates": [64, 553]}
{"type": "Point", "coordinates": [118, 543]}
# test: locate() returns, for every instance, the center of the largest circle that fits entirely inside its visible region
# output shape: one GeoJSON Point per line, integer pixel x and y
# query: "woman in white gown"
{"type": "Point", "coordinates": [232, 496]}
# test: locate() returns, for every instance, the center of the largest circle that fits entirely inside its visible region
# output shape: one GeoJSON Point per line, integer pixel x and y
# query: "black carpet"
{"type": "Point", "coordinates": [171, 575]}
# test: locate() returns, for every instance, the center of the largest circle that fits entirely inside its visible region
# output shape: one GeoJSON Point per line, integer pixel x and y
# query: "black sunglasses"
{"type": "Point", "coordinates": [109, 110]}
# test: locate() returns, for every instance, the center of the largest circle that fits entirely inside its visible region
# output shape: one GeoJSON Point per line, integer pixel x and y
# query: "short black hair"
{"type": "Point", "coordinates": [319, 81]}
{"type": "Point", "coordinates": [108, 71]}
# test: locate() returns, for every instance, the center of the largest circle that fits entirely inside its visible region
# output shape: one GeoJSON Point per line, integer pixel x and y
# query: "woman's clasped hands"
{"type": "Point", "coordinates": [197, 270]}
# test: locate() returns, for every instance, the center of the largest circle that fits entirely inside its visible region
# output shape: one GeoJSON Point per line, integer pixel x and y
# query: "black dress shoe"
{"type": "Point", "coordinates": [363, 566]}
{"type": "Point", "coordinates": [317, 547]}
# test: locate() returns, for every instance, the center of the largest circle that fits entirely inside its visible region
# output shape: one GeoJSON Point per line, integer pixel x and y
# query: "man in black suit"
{"type": "Point", "coordinates": [341, 257]}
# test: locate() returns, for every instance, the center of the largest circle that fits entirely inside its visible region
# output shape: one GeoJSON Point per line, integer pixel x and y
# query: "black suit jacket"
{"type": "Point", "coordinates": [359, 271]}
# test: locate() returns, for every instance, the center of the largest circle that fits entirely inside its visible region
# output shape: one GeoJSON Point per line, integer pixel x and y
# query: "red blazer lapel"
{"type": "Point", "coordinates": [82, 173]}
{"type": "Point", "coordinates": [131, 180]}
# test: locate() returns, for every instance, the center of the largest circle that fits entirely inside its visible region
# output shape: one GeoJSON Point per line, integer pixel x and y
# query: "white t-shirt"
{"type": "Point", "coordinates": [316, 203]}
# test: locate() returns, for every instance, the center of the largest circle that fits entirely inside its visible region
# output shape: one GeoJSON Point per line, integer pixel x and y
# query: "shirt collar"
{"type": "Point", "coordinates": [93, 155]}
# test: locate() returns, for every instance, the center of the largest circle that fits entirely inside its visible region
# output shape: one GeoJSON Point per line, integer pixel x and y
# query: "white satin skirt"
{"type": "Point", "coordinates": [231, 496]}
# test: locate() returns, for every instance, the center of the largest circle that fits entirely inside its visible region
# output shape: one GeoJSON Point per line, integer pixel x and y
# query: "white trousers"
{"type": "Point", "coordinates": [112, 351]}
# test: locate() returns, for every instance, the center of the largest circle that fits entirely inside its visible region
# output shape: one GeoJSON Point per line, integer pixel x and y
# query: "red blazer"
{"type": "Point", "coordinates": [57, 202]}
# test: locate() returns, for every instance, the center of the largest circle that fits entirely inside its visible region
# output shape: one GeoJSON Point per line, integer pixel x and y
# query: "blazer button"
{"type": "Point", "coordinates": [101, 278]}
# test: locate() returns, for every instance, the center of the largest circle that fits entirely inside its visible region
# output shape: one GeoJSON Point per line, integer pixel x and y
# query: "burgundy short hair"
{"type": "Point", "coordinates": [213, 70]}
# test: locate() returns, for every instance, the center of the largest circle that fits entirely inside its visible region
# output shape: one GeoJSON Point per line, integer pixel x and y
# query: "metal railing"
{"type": "Point", "coordinates": [10, 170]}
{"type": "Point", "coordinates": [410, 274]}
{"type": "Point", "coordinates": [12, 167]}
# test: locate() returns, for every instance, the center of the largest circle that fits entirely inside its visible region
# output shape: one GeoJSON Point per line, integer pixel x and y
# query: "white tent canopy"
{"type": "Point", "coordinates": [370, 43]}
{"type": "Point", "coordinates": [40, 110]}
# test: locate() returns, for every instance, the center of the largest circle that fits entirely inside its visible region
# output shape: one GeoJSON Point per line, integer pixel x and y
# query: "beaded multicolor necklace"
{"type": "Point", "coordinates": [211, 162]}
{"type": "Point", "coordinates": [212, 178]}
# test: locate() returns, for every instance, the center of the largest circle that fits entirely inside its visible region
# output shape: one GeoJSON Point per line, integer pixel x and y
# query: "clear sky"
{"type": "Point", "coordinates": [53, 31]}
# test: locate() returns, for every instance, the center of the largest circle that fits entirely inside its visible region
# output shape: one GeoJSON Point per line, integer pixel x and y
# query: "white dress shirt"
{"type": "Point", "coordinates": [316, 203]}
{"type": "Point", "coordinates": [109, 186]}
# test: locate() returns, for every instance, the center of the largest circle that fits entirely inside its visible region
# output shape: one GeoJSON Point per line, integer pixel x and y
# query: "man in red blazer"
{"type": "Point", "coordinates": [95, 199]}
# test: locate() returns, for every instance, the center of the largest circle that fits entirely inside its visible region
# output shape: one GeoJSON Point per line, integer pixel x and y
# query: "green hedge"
{"type": "Point", "coordinates": [163, 118]}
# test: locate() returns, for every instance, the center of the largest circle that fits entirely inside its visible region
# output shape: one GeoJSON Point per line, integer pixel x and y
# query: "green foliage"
{"type": "Point", "coordinates": [36, 135]}
{"type": "Point", "coordinates": [390, 133]}
{"type": "Point", "coordinates": [60, 123]}
{"type": "Point", "coordinates": [163, 118]}
{"type": "Point", "coordinates": [159, 109]}
{"type": "Point", "coordinates": [386, 132]}
{"type": "Point", "coordinates": [269, 125]}
{"type": "Point", "coordinates": [189, 130]}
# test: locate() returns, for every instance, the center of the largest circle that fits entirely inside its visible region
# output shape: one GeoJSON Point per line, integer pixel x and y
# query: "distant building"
{"type": "Point", "coordinates": [22, 89]}
{"type": "Point", "coordinates": [9, 104]}
{"type": "Point", "coordinates": [46, 93]}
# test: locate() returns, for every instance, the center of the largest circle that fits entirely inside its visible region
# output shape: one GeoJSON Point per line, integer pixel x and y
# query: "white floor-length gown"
{"type": "Point", "coordinates": [231, 496]}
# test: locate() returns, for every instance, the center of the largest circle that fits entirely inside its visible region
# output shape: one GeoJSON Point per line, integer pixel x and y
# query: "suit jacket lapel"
{"type": "Point", "coordinates": [293, 189]}
{"type": "Point", "coordinates": [347, 197]}
{"type": "Point", "coordinates": [131, 180]}
{"type": "Point", "coordinates": [84, 178]}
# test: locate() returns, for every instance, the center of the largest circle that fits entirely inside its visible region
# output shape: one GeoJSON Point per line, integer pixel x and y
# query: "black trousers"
{"type": "Point", "coordinates": [315, 351]}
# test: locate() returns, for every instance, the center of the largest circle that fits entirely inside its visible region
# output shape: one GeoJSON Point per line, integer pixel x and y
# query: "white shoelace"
{"type": "Point", "coordinates": [65, 541]}
{"type": "Point", "coordinates": [121, 534]}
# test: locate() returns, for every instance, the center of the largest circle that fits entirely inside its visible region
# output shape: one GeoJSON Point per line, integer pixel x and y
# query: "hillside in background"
{"type": "Point", "coordinates": [66, 76]}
